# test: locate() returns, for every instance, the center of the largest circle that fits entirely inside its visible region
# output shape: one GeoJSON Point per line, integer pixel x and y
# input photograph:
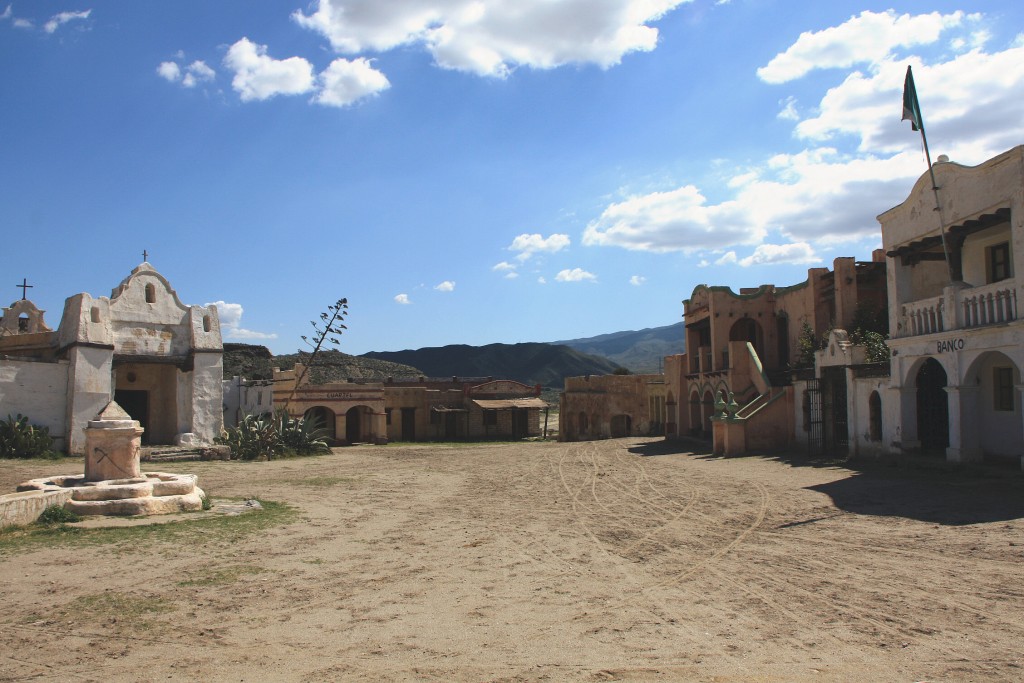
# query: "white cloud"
{"type": "Point", "coordinates": [788, 111]}
{"type": "Point", "coordinates": [259, 77]}
{"type": "Point", "coordinates": [446, 286]}
{"type": "Point", "coordinates": [541, 280]}
{"type": "Point", "coordinates": [198, 72]}
{"type": "Point", "coordinates": [402, 299]}
{"type": "Point", "coordinates": [58, 20]}
{"type": "Point", "coordinates": [727, 259]}
{"type": "Point", "coordinates": [7, 13]}
{"type": "Point", "coordinates": [344, 82]}
{"type": "Point", "coordinates": [796, 252]}
{"type": "Point", "coordinates": [859, 158]}
{"type": "Point", "coordinates": [22, 23]}
{"type": "Point", "coordinates": [574, 275]}
{"type": "Point", "coordinates": [231, 322]}
{"type": "Point", "coordinates": [169, 71]}
{"type": "Point", "coordinates": [528, 245]}
{"type": "Point", "coordinates": [492, 37]}
{"type": "Point", "coordinates": [677, 220]}
{"type": "Point", "coordinates": [867, 38]}
{"type": "Point", "coordinates": [637, 280]}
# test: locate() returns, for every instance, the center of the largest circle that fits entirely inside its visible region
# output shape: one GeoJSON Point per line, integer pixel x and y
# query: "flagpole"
{"type": "Point", "coordinates": [912, 112]}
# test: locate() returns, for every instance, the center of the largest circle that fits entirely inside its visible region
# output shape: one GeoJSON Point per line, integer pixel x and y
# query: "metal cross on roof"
{"type": "Point", "coordinates": [25, 286]}
{"type": "Point", "coordinates": [145, 255]}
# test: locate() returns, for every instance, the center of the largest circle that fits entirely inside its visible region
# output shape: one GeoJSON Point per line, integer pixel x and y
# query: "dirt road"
{"type": "Point", "coordinates": [611, 560]}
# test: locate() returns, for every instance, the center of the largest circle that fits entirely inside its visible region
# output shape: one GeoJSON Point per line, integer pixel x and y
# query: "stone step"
{"type": "Point", "coordinates": [184, 453]}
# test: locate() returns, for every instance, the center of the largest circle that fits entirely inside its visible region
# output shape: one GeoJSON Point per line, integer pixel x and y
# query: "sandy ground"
{"type": "Point", "coordinates": [612, 560]}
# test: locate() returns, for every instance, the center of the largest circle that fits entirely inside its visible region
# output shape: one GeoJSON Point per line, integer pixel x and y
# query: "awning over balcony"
{"type": "Point", "coordinates": [506, 403]}
{"type": "Point", "coordinates": [924, 248]}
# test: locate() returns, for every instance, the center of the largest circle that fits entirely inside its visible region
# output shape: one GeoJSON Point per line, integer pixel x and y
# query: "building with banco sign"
{"type": "Point", "coordinates": [956, 339]}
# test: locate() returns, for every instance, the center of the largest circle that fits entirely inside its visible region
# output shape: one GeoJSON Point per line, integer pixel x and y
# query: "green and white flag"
{"type": "Point", "coordinates": [911, 107]}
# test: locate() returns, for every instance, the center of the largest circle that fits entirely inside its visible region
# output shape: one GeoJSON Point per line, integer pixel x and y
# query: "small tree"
{"type": "Point", "coordinates": [330, 324]}
{"type": "Point", "coordinates": [806, 344]}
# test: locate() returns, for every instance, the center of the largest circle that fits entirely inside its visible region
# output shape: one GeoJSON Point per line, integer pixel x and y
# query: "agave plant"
{"type": "Point", "coordinates": [255, 438]}
{"type": "Point", "coordinates": [302, 436]}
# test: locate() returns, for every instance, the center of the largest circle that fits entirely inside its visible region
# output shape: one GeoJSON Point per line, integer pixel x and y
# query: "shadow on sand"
{"type": "Point", "coordinates": [923, 489]}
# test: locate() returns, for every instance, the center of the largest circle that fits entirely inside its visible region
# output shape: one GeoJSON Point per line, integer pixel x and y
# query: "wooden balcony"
{"type": "Point", "coordinates": [959, 307]}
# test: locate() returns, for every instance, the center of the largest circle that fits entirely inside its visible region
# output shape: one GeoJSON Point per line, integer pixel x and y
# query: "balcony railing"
{"type": "Point", "coordinates": [960, 307]}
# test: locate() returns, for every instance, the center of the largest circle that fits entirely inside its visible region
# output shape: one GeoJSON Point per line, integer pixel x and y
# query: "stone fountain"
{"type": "Point", "coordinates": [114, 483]}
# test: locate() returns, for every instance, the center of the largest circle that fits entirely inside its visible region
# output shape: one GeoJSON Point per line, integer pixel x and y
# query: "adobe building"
{"type": "Point", "coordinates": [743, 346]}
{"type": "Point", "coordinates": [957, 340]}
{"type": "Point", "coordinates": [612, 406]}
{"type": "Point", "coordinates": [159, 359]}
{"type": "Point", "coordinates": [414, 409]}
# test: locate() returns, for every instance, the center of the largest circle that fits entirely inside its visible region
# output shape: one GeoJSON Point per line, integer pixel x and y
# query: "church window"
{"type": "Point", "coordinates": [875, 417]}
{"type": "Point", "coordinates": [94, 314]}
{"type": "Point", "coordinates": [206, 323]}
{"type": "Point", "coordinates": [150, 294]}
{"type": "Point", "coordinates": [1002, 383]}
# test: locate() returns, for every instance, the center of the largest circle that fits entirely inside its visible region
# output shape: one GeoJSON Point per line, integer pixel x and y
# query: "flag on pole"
{"type": "Point", "coordinates": [911, 107]}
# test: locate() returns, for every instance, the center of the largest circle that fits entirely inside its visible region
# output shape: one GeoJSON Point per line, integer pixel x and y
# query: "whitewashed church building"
{"type": "Point", "coordinates": [160, 359]}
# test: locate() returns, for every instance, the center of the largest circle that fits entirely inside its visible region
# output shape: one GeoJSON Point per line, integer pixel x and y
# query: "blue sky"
{"type": "Point", "coordinates": [475, 171]}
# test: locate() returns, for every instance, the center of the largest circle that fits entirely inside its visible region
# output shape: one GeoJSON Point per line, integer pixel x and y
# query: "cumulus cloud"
{"type": "Point", "coordinates": [574, 275]}
{"type": "Point", "coordinates": [446, 286]}
{"type": "Point", "coordinates": [402, 299]}
{"type": "Point", "coordinates": [231, 322]}
{"type": "Point", "coordinates": [637, 280]}
{"type": "Point", "coordinates": [260, 77]}
{"type": "Point", "coordinates": [528, 245]}
{"type": "Point", "coordinates": [492, 37]}
{"type": "Point", "coordinates": [195, 73]}
{"type": "Point", "coordinates": [169, 71]}
{"type": "Point", "coordinates": [344, 82]}
{"type": "Point", "coordinates": [7, 13]}
{"type": "Point", "coordinates": [58, 20]}
{"type": "Point", "coordinates": [796, 252]}
{"type": "Point", "coordinates": [867, 38]}
{"type": "Point", "coordinates": [859, 158]}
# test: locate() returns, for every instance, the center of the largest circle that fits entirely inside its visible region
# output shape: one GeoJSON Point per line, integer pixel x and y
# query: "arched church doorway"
{"type": "Point", "coordinates": [932, 407]}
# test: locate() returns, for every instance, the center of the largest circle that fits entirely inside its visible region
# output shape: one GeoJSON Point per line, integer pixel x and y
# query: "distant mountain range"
{"type": "Point", "coordinates": [530, 363]}
{"type": "Point", "coordinates": [639, 351]}
{"type": "Point", "coordinates": [547, 364]}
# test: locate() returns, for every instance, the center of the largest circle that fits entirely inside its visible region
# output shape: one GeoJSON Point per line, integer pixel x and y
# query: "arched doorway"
{"type": "Point", "coordinates": [622, 425]}
{"type": "Point", "coordinates": [355, 430]}
{"type": "Point", "coordinates": [990, 409]}
{"type": "Point", "coordinates": [324, 420]}
{"type": "Point", "coordinates": [695, 423]}
{"type": "Point", "coordinates": [708, 411]}
{"type": "Point", "coordinates": [875, 417]}
{"type": "Point", "coordinates": [932, 407]}
{"type": "Point", "coordinates": [748, 330]}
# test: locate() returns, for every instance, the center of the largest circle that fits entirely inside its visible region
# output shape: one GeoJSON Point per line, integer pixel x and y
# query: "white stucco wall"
{"type": "Point", "coordinates": [37, 390]}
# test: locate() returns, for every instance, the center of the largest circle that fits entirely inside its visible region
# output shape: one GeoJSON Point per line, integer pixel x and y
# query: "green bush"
{"type": "Point", "coordinates": [19, 439]}
{"type": "Point", "coordinates": [56, 514]}
{"type": "Point", "coordinates": [268, 437]}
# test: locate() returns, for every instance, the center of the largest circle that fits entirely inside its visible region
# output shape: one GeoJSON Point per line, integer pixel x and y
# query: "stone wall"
{"type": "Point", "coordinates": [37, 390]}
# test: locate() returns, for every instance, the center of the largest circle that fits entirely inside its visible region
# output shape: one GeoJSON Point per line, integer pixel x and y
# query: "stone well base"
{"type": "Point", "coordinates": [153, 493]}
